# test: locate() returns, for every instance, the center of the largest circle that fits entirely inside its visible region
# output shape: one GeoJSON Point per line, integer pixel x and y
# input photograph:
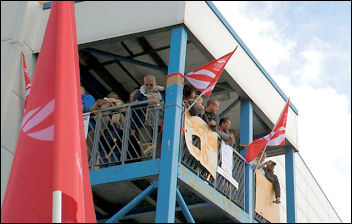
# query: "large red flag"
{"type": "Point", "coordinates": [205, 78]}
{"type": "Point", "coordinates": [275, 138]}
{"type": "Point", "coordinates": [51, 153]}
{"type": "Point", "coordinates": [26, 79]}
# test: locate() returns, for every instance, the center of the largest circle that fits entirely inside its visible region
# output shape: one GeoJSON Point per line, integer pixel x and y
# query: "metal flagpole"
{"type": "Point", "coordinates": [260, 158]}
{"type": "Point", "coordinates": [57, 207]}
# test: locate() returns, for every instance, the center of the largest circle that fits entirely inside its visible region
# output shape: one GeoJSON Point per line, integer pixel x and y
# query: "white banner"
{"type": "Point", "coordinates": [86, 117]}
{"type": "Point", "coordinates": [226, 157]}
{"type": "Point", "coordinates": [227, 163]}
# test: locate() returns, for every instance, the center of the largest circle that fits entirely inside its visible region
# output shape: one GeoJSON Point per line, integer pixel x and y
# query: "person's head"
{"type": "Point", "coordinates": [113, 95]}
{"type": "Point", "coordinates": [270, 164]}
{"type": "Point", "coordinates": [225, 123]}
{"type": "Point", "coordinates": [82, 90]}
{"type": "Point", "coordinates": [235, 135]}
{"type": "Point", "coordinates": [149, 82]}
{"type": "Point", "coordinates": [189, 92]}
{"type": "Point", "coordinates": [213, 105]}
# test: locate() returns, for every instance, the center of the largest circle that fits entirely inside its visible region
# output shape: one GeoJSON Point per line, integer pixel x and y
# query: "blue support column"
{"type": "Point", "coordinates": [290, 186]}
{"type": "Point", "coordinates": [133, 203]}
{"type": "Point", "coordinates": [184, 207]}
{"type": "Point", "coordinates": [165, 210]}
{"type": "Point", "coordinates": [246, 136]}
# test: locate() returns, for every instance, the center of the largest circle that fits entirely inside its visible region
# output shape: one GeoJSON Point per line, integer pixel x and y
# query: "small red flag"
{"type": "Point", "coordinates": [205, 78]}
{"type": "Point", "coordinates": [275, 138]}
{"type": "Point", "coordinates": [51, 152]}
{"type": "Point", "coordinates": [26, 79]}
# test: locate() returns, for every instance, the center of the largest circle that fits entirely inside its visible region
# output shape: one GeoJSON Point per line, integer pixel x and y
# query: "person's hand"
{"type": "Point", "coordinates": [187, 104]}
{"type": "Point", "coordinates": [200, 106]}
{"type": "Point", "coordinates": [212, 123]}
{"type": "Point", "coordinates": [100, 102]}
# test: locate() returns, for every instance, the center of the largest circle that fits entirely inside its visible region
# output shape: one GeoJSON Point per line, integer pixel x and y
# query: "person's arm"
{"type": "Point", "coordinates": [223, 135]}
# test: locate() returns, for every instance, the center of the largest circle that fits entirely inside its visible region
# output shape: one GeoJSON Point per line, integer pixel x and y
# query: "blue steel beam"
{"type": "Point", "coordinates": [133, 203]}
{"type": "Point", "coordinates": [121, 58]}
{"type": "Point", "coordinates": [184, 207]}
{"type": "Point", "coordinates": [246, 136]}
{"type": "Point", "coordinates": [290, 186]}
{"type": "Point", "coordinates": [165, 210]}
{"type": "Point", "coordinates": [232, 105]}
{"type": "Point", "coordinates": [208, 193]}
{"type": "Point", "coordinates": [124, 172]}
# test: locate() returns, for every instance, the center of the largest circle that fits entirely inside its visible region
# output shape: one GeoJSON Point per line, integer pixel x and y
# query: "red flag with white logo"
{"type": "Point", "coordinates": [205, 78]}
{"type": "Point", "coordinates": [26, 79]}
{"type": "Point", "coordinates": [275, 138]}
{"type": "Point", "coordinates": [51, 153]}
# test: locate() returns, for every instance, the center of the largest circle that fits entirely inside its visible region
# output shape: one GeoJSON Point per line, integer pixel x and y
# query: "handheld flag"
{"type": "Point", "coordinates": [205, 78]}
{"type": "Point", "coordinates": [26, 79]}
{"type": "Point", "coordinates": [275, 138]}
{"type": "Point", "coordinates": [51, 153]}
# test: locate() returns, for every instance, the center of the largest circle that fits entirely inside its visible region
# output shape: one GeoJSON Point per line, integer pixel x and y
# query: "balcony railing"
{"type": "Point", "coordinates": [221, 184]}
{"type": "Point", "coordinates": [124, 134]}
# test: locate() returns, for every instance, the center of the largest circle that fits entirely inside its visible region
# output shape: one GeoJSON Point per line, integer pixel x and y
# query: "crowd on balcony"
{"type": "Point", "coordinates": [143, 121]}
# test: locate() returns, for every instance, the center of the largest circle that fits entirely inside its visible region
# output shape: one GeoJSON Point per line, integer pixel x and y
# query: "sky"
{"type": "Point", "coordinates": [306, 49]}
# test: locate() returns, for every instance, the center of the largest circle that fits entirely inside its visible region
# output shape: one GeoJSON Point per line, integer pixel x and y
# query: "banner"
{"type": "Point", "coordinates": [86, 117]}
{"type": "Point", "coordinates": [207, 155]}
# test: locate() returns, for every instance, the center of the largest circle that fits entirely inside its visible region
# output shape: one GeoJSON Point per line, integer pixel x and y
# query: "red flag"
{"type": "Point", "coordinates": [275, 138]}
{"type": "Point", "coordinates": [205, 78]}
{"type": "Point", "coordinates": [51, 151]}
{"type": "Point", "coordinates": [26, 79]}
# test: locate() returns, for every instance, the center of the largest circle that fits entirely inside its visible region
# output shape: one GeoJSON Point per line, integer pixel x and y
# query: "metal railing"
{"type": "Point", "coordinates": [125, 133]}
{"type": "Point", "coordinates": [221, 184]}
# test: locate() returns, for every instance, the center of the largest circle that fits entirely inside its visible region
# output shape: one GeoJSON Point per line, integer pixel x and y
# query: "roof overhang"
{"type": "Point", "coordinates": [211, 34]}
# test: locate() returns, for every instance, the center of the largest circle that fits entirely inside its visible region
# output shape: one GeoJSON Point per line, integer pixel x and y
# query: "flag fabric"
{"type": "Point", "coordinates": [205, 78]}
{"type": "Point", "coordinates": [275, 138]}
{"type": "Point", "coordinates": [26, 79]}
{"type": "Point", "coordinates": [51, 153]}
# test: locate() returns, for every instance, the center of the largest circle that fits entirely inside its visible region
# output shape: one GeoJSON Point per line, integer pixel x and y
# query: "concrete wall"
{"type": "Point", "coordinates": [20, 22]}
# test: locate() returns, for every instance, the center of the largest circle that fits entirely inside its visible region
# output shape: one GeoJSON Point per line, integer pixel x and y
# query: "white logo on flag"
{"type": "Point", "coordinates": [46, 134]}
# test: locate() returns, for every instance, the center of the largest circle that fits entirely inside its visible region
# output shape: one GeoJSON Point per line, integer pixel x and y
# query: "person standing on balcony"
{"type": "Point", "coordinates": [224, 127]}
{"type": "Point", "coordinates": [269, 174]}
{"type": "Point", "coordinates": [210, 115]}
{"type": "Point", "coordinates": [149, 91]}
{"type": "Point", "coordinates": [87, 100]}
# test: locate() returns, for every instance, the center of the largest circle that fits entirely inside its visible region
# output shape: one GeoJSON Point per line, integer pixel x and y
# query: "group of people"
{"type": "Point", "coordinates": [113, 122]}
{"type": "Point", "coordinates": [151, 91]}
{"type": "Point", "coordinates": [229, 136]}
{"type": "Point", "coordinates": [210, 115]}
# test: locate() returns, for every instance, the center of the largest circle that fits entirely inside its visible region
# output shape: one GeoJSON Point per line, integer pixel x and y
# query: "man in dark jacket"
{"type": "Point", "coordinates": [210, 115]}
{"type": "Point", "coordinates": [269, 174]}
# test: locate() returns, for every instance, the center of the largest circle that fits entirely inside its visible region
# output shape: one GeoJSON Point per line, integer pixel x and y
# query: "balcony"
{"type": "Point", "coordinates": [124, 145]}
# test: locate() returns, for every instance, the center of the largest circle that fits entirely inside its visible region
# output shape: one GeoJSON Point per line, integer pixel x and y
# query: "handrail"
{"type": "Point", "coordinates": [124, 133]}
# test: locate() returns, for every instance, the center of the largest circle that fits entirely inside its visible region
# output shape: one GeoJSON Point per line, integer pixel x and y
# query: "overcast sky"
{"type": "Point", "coordinates": [306, 49]}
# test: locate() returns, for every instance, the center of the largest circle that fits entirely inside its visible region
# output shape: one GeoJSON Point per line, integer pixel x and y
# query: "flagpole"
{"type": "Point", "coordinates": [260, 158]}
{"type": "Point", "coordinates": [57, 207]}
